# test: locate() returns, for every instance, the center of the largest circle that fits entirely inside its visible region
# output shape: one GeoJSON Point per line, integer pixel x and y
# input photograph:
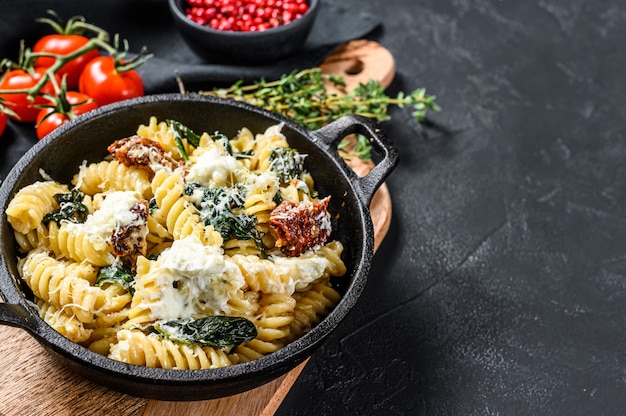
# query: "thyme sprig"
{"type": "Point", "coordinates": [302, 96]}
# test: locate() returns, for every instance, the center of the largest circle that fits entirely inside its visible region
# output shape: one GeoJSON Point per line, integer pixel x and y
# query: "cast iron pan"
{"type": "Point", "coordinates": [87, 137]}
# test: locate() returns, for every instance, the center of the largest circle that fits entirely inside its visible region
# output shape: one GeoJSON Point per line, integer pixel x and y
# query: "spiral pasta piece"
{"type": "Point", "coordinates": [155, 249]}
{"type": "Point", "coordinates": [286, 274]}
{"type": "Point", "coordinates": [72, 241]}
{"type": "Point", "coordinates": [244, 143]}
{"type": "Point", "coordinates": [111, 319]}
{"type": "Point", "coordinates": [84, 270]}
{"type": "Point", "coordinates": [332, 253]}
{"type": "Point", "coordinates": [206, 144]}
{"type": "Point", "coordinates": [243, 303]}
{"type": "Point", "coordinates": [311, 306]}
{"type": "Point", "coordinates": [242, 247]}
{"type": "Point", "coordinates": [63, 322]}
{"type": "Point", "coordinates": [29, 206]}
{"type": "Point", "coordinates": [262, 275]}
{"type": "Point", "coordinates": [259, 200]}
{"type": "Point", "coordinates": [116, 298]}
{"type": "Point", "coordinates": [181, 218]}
{"type": "Point", "coordinates": [135, 347]}
{"type": "Point", "coordinates": [265, 143]}
{"type": "Point", "coordinates": [276, 312]}
{"type": "Point", "coordinates": [160, 132]}
{"type": "Point", "coordinates": [298, 190]}
{"type": "Point", "coordinates": [53, 281]}
{"type": "Point", "coordinates": [94, 202]}
{"type": "Point", "coordinates": [101, 339]}
{"type": "Point", "coordinates": [108, 176]}
{"type": "Point", "coordinates": [146, 292]}
{"type": "Point", "coordinates": [157, 233]}
{"type": "Point", "coordinates": [32, 239]}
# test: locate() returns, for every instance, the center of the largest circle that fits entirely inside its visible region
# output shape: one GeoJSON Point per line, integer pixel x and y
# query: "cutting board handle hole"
{"type": "Point", "coordinates": [355, 67]}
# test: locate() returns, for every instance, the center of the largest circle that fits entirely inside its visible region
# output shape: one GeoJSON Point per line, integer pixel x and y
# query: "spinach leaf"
{"type": "Point", "coordinates": [287, 163]}
{"type": "Point", "coordinates": [246, 154]}
{"type": "Point", "coordinates": [116, 274]}
{"type": "Point", "coordinates": [215, 331]}
{"type": "Point", "coordinates": [183, 132]}
{"type": "Point", "coordinates": [152, 206]}
{"type": "Point", "coordinates": [216, 209]}
{"type": "Point", "coordinates": [71, 208]}
{"type": "Point", "coordinates": [224, 141]}
{"type": "Point", "coordinates": [278, 198]}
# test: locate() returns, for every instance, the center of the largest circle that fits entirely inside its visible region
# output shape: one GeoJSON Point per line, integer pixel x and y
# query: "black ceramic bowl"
{"type": "Point", "coordinates": [87, 137]}
{"type": "Point", "coordinates": [244, 47]}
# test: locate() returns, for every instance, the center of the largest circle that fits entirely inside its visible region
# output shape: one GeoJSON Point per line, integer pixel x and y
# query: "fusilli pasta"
{"type": "Point", "coordinates": [111, 175]}
{"type": "Point", "coordinates": [209, 231]}
{"type": "Point", "coordinates": [28, 207]}
{"type": "Point", "coordinates": [150, 350]}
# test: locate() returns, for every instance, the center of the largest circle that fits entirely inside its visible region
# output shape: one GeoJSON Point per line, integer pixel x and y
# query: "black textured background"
{"type": "Point", "coordinates": [500, 289]}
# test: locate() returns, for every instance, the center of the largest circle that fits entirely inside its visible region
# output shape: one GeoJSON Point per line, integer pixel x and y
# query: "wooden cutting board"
{"type": "Point", "coordinates": [33, 383]}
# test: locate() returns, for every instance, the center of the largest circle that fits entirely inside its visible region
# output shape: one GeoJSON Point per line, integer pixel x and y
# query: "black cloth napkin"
{"type": "Point", "coordinates": [334, 25]}
{"type": "Point", "coordinates": [149, 23]}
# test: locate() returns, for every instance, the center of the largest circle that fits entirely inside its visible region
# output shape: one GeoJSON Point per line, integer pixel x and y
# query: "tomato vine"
{"type": "Point", "coordinates": [63, 57]}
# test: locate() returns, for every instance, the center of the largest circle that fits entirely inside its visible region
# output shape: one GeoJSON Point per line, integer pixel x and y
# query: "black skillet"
{"type": "Point", "coordinates": [87, 137]}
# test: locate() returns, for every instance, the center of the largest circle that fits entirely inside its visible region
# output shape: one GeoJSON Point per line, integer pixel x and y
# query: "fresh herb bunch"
{"type": "Point", "coordinates": [302, 96]}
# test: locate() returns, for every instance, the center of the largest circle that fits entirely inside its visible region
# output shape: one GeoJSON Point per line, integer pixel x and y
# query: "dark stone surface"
{"type": "Point", "coordinates": [501, 287]}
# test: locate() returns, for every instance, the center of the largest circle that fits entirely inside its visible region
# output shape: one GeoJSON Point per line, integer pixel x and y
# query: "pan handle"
{"type": "Point", "coordinates": [17, 316]}
{"type": "Point", "coordinates": [329, 137]}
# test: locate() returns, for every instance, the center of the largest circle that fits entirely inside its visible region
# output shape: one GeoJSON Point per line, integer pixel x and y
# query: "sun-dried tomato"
{"type": "Point", "coordinates": [141, 152]}
{"type": "Point", "coordinates": [130, 239]}
{"type": "Point", "coordinates": [301, 226]}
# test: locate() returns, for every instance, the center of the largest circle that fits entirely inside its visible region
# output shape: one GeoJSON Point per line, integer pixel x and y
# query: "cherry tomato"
{"type": "Point", "coordinates": [64, 45]}
{"type": "Point", "coordinates": [50, 118]}
{"type": "Point", "coordinates": [17, 79]}
{"type": "Point", "coordinates": [103, 82]}
{"type": "Point", "coordinates": [3, 122]}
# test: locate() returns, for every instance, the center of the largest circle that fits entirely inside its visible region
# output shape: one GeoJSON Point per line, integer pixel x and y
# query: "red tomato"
{"type": "Point", "coordinates": [64, 45]}
{"type": "Point", "coordinates": [18, 79]}
{"type": "Point", "coordinates": [50, 118]}
{"type": "Point", "coordinates": [3, 122]}
{"type": "Point", "coordinates": [104, 83]}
